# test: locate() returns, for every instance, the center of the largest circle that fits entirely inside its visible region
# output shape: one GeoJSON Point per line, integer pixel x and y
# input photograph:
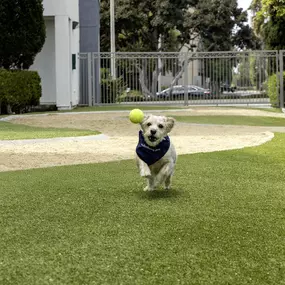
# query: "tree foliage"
{"type": "Point", "coordinates": [269, 22]}
{"type": "Point", "coordinates": [22, 33]}
{"type": "Point", "coordinates": [140, 24]}
{"type": "Point", "coordinates": [219, 25]}
{"type": "Point", "coordinates": [175, 25]}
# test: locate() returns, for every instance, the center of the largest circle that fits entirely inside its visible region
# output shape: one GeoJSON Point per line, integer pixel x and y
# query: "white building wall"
{"type": "Point", "coordinates": [55, 7]}
{"type": "Point", "coordinates": [45, 65]}
{"type": "Point", "coordinates": [62, 7]}
{"type": "Point", "coordinates": [62, 62]}
{"type": "Point", "coordinates": [72, 8]}
{"type": "Point", "coordinates": [54, 63]}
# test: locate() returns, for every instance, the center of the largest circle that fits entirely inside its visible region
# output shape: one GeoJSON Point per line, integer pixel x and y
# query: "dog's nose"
{"type": "Point", "coordinates": [153, 132]}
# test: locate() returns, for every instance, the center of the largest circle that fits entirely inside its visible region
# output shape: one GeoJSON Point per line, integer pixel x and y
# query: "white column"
{"type": "Point", "coordinates": [62, 62]}
{"type": "Point", "coordinates": [75, 73]}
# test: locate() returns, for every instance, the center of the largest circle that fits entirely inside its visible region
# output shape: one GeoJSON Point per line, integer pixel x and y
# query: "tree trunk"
{"type": "Point", "coordinates": [145, 91]}
{"type": "Point", "coordinates": [9, 110]}
{"type": "Point", "coordinates": [155, 74]}
{"type": "Point", "coordinates": [179, 73]}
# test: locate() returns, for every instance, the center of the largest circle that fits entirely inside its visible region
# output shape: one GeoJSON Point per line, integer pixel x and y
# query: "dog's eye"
{"type": "Point", "coordinates": [148, 124]}
{"type": "Point", "coordinates": [160, 126]}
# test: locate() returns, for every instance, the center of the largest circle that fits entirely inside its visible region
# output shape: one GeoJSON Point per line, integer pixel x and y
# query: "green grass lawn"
{"type": "Point", "coordinates": [127, 108]}
{"type": "Point", "coordinates": [156, 107]}
{"type": "Point", "coordinates": [223, 222]}
{"type": "Point", "coordinates": [9, 131]}
{"type": "Point", "coordinates": [160, 107]}
{"type": "Point", "coordinates": [115, 108]}
{"type": "Point", "coordinates": [233, 120]}
{"type": "Point", "coordinates": [144, 108]}
{"type": "Point", "coordinates": [272, 110]}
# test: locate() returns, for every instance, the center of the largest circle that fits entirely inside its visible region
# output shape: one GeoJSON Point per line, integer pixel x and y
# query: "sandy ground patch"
{"type": "Point", "coordinates": [123, 138]}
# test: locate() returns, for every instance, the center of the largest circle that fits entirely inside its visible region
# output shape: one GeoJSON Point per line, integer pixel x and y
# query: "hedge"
{"type": "Point", "coordinates": [19, 89]}
{"type": "Point", "coordinates": [272, 91]}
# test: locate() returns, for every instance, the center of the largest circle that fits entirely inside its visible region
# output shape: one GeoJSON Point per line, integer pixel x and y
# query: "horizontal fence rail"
{"type": "Point", "coordinates": [181, 78]}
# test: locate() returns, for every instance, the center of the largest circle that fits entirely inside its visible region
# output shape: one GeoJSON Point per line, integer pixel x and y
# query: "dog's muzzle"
{"type": "Point", "coordinates": [152, 138]}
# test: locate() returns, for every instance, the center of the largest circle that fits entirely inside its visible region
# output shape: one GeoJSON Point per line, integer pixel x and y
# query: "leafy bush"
{"type": "Point", "coordinates": [163, 87]}
{"type": "Point", "coordinates": [272, 91]}
{"type": "Point", "coordinates": [19, 89]}
{"type": "Point", "coordinates": [111, 88]}
{"type": "Point", "coordinates": [131, 96]}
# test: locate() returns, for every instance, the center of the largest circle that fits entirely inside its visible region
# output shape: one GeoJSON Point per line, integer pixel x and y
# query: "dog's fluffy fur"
{"type": "Point", "coordinates": [154, 129]}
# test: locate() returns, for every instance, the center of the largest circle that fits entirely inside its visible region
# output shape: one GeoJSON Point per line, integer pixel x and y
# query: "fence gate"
{"type": "Point", "coordinates": [186, 78]}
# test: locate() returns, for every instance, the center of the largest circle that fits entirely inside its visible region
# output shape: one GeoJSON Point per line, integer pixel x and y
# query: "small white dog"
{"type": "Point", "coordinates": [155, 154]}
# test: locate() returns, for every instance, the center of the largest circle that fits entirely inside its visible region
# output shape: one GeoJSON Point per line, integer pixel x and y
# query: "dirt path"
{"type": "Point", "coordinates": [122, 138]}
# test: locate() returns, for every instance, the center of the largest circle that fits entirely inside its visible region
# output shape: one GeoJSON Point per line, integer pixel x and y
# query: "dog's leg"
{"type": "Point", "coordinates": [143, 168]}
{"type": "Point", "coordinates": [164, 176]}
{"type": "Point", "coordinates": [167, 184]}
{"type": "Point", "coordinates": [145, 172]}
{"type": "Point", "coordinates": [150, 184]}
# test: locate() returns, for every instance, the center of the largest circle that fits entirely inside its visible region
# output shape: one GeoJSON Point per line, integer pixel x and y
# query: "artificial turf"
{"type": "Point", "coordinates": [223, 222]}
{"type": "Point", "coordinates": [10, 131]}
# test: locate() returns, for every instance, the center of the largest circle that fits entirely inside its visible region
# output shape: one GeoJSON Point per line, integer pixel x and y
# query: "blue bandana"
{"type": "Point", "coordinates": [149, 154]}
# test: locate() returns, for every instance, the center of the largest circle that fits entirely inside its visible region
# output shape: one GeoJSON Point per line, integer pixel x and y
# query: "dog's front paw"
{"type": "Point", "coordinates": [147, 188]}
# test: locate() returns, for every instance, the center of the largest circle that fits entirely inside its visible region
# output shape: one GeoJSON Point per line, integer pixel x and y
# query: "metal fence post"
{"type": "Point", "coordinates": [281, 85]}
{"type": "Point", "coordinates": [186, 79]}
{"type": "Point", "coordinates": [97, 80]}
{"type": "Point", "coordinates": [278, 79]}
{"type": "Point", "coordinates": [93, 64]}
{"type": "Point", "coordinates": [89, 76]}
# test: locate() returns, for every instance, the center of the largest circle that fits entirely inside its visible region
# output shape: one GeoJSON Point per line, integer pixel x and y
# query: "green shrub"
{"type": "Point", "coordinates": [272, 91]}
{"type": "Point", "coordinates": [163, 87]}
{"type": "Point", "coordinates": [111, 88]}
{"type": "Point", "coordinates": [131, 96]}
{"type": "Point", "coordinates": [19, 89]}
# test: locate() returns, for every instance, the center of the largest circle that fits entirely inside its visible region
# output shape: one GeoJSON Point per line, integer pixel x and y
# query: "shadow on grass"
{"type": "Point", "coordinates": [158, 194]}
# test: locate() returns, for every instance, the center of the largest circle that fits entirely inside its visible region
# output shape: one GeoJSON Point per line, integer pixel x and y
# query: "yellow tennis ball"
{"type": "Point", "coordinates": [136, 116]}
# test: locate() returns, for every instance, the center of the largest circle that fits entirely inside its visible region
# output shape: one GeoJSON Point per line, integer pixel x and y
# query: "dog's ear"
{"type": "Point", "coordinates": [169, 123]}
{"type": "Point", "coordinates": [144, 119]}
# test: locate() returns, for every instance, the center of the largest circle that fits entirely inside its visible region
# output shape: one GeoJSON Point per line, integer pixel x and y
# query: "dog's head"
{"type": "Point", "coordinates": [155, 128]}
